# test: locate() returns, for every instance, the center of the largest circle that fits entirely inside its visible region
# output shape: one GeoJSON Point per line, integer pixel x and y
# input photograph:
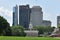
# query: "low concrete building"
{"type": "Point", "coordinates": [46, 23]}
{"type": "Point", "coordinates": [32, 33]}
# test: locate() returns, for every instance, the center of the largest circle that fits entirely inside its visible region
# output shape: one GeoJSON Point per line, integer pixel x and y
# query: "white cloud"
{"type": "Point", "coordinates": [7, 14]}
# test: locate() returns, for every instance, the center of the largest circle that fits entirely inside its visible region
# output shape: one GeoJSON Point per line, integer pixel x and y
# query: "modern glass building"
{"type": "Point", "coordinates": [15, 15]}
{"type": "Point", "coordinates": [24, 15]}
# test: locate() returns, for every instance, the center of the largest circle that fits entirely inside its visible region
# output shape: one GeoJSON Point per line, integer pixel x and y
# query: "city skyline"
{"type": "Point", "coordinates": [51, 8]}
{"type": "Point", "coordinates": [27, 15]}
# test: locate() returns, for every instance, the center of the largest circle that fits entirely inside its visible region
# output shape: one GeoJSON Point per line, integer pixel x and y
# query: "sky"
{"type": "Point", "coordinates": [50, 8]}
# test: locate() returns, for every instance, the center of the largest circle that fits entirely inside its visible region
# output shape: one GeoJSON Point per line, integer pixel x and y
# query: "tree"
{"type": "Point", "coordinates": [18, 31]}
{"type": "Point", "coordinates": [39, 28]}
{"type": "Point", "coordinates": [58, 26]}
{"type": "Point", "coordinates": [4, 26]}
{"type": "Point", "coordinates": [43, 29]}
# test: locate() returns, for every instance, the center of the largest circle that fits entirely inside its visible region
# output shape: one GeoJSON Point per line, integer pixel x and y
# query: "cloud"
{"type": "Point", "coordinates": [7, 14]}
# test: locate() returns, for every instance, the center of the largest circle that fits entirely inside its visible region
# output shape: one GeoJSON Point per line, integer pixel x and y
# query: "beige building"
{"type": "Point", "coordinates": [36, 17]}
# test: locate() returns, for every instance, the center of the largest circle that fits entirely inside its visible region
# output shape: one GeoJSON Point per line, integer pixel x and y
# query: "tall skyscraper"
{"type": "Point", "coordinates": [15, 15]}
{"type": "Point", "coordinates": [36, 16]}
{"type": "Point", "coordinates": [58, 20]}
{"type": "Point", "coordinates": [24, 15]}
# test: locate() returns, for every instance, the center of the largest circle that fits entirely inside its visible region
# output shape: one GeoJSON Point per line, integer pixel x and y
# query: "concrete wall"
{"type": "Point", "coordinates": [32, 33]}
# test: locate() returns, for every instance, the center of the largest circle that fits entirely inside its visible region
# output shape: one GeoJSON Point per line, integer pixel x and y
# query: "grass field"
{"type": "Point", "coordinates": [27, 38]}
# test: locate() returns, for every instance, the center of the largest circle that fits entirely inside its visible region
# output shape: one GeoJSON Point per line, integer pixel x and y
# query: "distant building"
{"type": "Point", "coordinates": [46, 23]}
{"type": "Point", "coordinates": [15, 16]}
{"type": "Point", "coordinates": [24, 15]}
{"type": "Point", "coordinates": [36, 17]}
{"type": "Point", "coordinates": [58, 20]}
{"type": "Point", "coordinates": [31, 33]}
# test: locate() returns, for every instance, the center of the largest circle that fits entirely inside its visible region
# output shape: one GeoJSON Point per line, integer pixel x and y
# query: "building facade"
{"type": "Point", "coordinates": [46, 23]}
{"type": "Point", "coordinates": [24, 15]}
{"type": "Point", "coordinates": [36, 17]}
{"type": "Point", "coordinates": [15, 15]}
{"type": "Point", "coordinates": [58, 20]}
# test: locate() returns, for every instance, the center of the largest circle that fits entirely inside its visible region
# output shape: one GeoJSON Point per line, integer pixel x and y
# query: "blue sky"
{"type": "Point", "coordinates": [50, 8]}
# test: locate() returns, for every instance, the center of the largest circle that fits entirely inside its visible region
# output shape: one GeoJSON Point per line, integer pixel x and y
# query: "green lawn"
{"type": "Point", "coordinates": [27, 38]}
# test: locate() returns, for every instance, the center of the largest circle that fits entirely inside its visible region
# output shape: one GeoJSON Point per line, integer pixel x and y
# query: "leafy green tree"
{"type": "Point", "coordinates": [18, 31]}
{"type": "Point", "coordinates": [58, 26]}
{"type": "Point", "coordinates": [4, 26]}
{"type": "Point", "coordinates": [43, 29]}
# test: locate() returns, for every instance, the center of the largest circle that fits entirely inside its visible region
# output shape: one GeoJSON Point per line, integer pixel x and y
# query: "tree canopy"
{"type": "Point", "coordinates": [18, 31]}
{"type": "Point", "coordinates": [43, 29]}
{"type": "Point", "coordinates": [4, 26]}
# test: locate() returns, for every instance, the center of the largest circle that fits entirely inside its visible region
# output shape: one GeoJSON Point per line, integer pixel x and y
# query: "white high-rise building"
{"type": "Point", "coordinates": [15, 15]}
{"type": "Point", "coordinates": [36, 16]}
